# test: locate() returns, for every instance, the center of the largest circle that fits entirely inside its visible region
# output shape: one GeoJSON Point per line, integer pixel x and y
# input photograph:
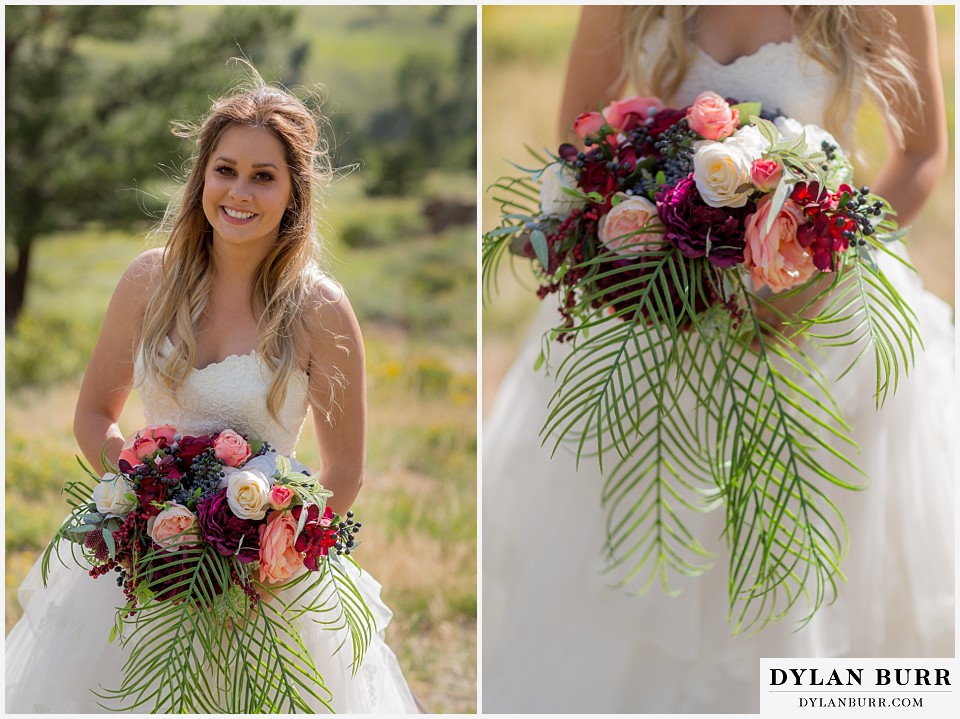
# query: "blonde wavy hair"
{"type": "Point", "coordinates": [858, 44]}
{"type": "Point", "coordinates": [286, 277]}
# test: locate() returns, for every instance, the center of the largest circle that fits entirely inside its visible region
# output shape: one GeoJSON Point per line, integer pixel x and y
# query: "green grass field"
{"type": "Point", "coordinates": [415, 295]}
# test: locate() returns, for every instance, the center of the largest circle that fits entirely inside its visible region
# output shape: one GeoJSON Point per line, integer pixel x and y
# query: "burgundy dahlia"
{"type": "Point", "coordinates": [700, 230]}
{"type": "Point", "coordinates": [225, 531]}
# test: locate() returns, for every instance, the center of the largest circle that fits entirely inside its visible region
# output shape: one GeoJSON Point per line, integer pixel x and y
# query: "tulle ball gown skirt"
{"type": "Point", "coordinates": [558, 638]}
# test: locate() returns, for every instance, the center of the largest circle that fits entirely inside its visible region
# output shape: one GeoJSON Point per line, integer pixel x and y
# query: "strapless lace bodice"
{"type": "Point", "coordinates": [779, 75]}
{"type": "Point", "coordinates": [231, 393]}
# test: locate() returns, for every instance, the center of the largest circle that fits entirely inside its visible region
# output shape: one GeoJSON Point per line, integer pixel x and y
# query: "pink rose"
{"type": "Point", "coordinates": [173, 526]}
{"type": "Point", "coordinates": [625, 115]}
{"type": "Point", "coordinates": [766, 174]}
{"type": "Point", "coordinates": [280, 496]}
{"type": "Point", "coordinates": [776, 258]}
{"type": "Point", "coordinates": [279, 559]}
{"type": "Point", "coordinates": [587, 123]}
{"type": "Point", "coordinates": [631, 226]}
{"type": "Point", "coordinates": [146, 442]}
{"type": "Point", "coordinates": [231, 448]}
{"type": "Point", "coordinates": [712, 116]}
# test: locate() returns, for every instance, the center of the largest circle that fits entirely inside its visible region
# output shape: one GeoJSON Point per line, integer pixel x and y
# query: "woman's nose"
{"type": "Point", "coordinates": [240, 190]}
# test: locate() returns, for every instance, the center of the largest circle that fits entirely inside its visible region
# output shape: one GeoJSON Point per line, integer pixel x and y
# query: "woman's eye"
{"type": "Point", "coordinates": [224, 170]}
{"type": "Point", "coordinates": [264, 176]}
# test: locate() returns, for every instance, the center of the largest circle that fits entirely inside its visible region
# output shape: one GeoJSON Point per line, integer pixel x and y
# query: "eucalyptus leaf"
{"type": "Point", "coordinates": [111, 545]}
{"type": "Point", "coordinates": [539, 242]}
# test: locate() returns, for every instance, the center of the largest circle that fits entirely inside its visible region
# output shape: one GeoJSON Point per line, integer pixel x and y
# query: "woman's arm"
{"type": "Point", "coordinates": [911, 172]}
{"type": "Point", "coordinates": [109, 376]}
{"type": "Point", "coordinates": [338, 394]}
{"type": "Point", "coordinates": [596, 57]}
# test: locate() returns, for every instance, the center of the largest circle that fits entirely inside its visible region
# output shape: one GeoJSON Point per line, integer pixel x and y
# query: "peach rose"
{"type": "Point", "coordinates": [775, 258]}
{"type": "Point", "coordinates": [630, 227]}
{"type": "Point", "coordinates": [587, 123]}
{"type": "Point", "coordinates": [231, 449]}
{"type": "Point", "coordinates": [146, 442]}
{"type": "Point", "coordinates": [618, 113]}
{"type": "Point", "coordinates": [173, 526]}
{"type": "Point", "coordinates": [712, 117]}
{"type": "Point", "coordinates": [280, 496]}
{"type": "Point", "coordinates": [766, 174]}
{"type": "Point", "coordinates": [279, 560]}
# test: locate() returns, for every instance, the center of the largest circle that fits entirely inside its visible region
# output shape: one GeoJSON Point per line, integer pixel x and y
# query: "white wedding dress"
{"type": "Point", "coordinates": [58, 650]}
{"type": "Point", "coordinates": [557, 638]}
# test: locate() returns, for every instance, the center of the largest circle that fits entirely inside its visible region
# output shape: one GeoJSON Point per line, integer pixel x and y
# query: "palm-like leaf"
{"type": "Point", "coordinates": [199, 653]}
{"type": "Point", "coordinates": [695, 418]}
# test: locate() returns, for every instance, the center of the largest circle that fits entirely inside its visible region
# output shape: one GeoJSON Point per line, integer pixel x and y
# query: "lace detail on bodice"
{"type": "Point", "coordinates": [231, 393]}
{"type": "Point", "coordinates": [779, 75]}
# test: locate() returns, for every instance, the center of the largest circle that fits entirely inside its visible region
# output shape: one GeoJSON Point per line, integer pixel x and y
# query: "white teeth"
{"type": "Point", "coordinates": [238, 215]}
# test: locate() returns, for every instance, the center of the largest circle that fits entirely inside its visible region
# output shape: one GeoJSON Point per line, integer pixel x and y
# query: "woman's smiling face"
{"type": "Point", "coordinates": [247, 186]}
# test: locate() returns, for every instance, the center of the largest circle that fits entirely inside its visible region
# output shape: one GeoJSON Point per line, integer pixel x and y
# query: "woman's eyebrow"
{"type": "Point", "coordinates": [257, 165]}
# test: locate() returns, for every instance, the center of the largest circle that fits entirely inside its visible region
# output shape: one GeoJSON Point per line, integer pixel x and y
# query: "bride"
{"type": "Point", "coordinates": [556, 637]}
{"type": "Point", "coordinates": [231, 325]}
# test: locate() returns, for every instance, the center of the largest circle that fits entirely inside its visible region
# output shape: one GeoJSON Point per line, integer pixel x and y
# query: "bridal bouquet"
{"type": "Point", "coordinates": [206, 536]}
{"type": "Point", "coordinates": [703, 258]}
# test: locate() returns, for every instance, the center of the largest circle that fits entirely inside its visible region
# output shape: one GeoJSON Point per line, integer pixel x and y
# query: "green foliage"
{"type": "Point", "coordinates": [194, 644]}
{"type": "Point", "coordinates": [47, 348]}
{"type": "Point", "coordinates": [432, 123]}
{"type": "Point", "coordinates": [690, 411]}
{"type": "Point", "coordinates": [381, 229]}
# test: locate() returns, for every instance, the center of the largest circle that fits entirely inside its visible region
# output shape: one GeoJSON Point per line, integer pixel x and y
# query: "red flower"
{"type": "Point", "coordinates": [664, 119]}
{"type": "Point", "coordinates": [595, 177]}
{"type": "Point", "coordinates": [192, 447]}
{"type": "Point", "coordinates": [317, 536]}
{"type": "Point", "coordinates": [823, 232]}
{"type": "Point", "coordinates": [151, 490]}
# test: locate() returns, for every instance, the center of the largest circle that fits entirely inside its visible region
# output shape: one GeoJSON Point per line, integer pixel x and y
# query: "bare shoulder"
{"type": "Point", "coordinates": [329, 320]}
{"type": "Point", "coordinates": [141, 278]}
{"type": "Point", "coordinates": [910, 18]}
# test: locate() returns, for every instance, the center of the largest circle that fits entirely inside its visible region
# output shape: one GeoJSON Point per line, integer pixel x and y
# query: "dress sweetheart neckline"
{"type": "Point", "coordinates": [252, 353]}
{"type": "Point", "coordinates": [772, 44]}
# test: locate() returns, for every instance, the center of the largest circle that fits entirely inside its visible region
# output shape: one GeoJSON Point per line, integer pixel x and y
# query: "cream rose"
{"type": "Point", "coordinates": [114, 496]}
{"type": "Point", "coordinates": [721, 171]}
{"type": "Point", "coordinates": [173, 526]}
{"type": "Point", "coordinates": [247, 493]}
{"type": "Point", "coordinates": [631, 226]}
{"type": "Point", "coordinates": [553, 200]}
